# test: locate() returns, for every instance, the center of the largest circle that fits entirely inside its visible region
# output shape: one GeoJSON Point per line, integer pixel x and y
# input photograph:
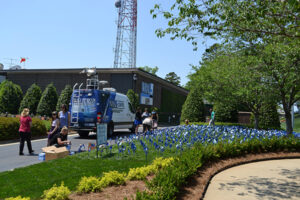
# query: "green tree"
{"type": "Point", "coordinates": [193, 107]}
{"type": "Point", "coordinates": [253, 21]}
{"type": "Point", "coordinates": [173, 78]}
{"type": "Point", "coordinates": [133, 98]}
{"type": "Point", "coordinates": [48, 101]}
{"type": "Point", "coordinates": [269, 29]}
{"type": "Point", "coordinates": [280, 66]}
{"type": "Point", "coordinates": [65, 97]}
{"type": "Point", "coordinates": [31, 99]}
{"type": "Point", "coordinates": [231, 79]}
{"type": "Point", "coordinates": [151, 70]}
{"type": "Point", "coordinates": [10, 97]}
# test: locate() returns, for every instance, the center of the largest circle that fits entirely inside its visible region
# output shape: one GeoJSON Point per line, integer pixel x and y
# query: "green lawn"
{"type": "Point", "coordinates": [31, 181]}
{"type": "Point", "coordinates": [296, 124]}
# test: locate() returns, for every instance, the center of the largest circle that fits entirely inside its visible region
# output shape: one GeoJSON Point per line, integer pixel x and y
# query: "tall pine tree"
{"type": "Point", "coordinates": [10, 97]}
{"type": "Point", "coordinates": [48, 101]}
{"type": "Point", "coordinates": [193, 107]}
{"type": "Point", "coordinates": [31, 99]}
{"type": "Point", "coordinates": [65, 97]}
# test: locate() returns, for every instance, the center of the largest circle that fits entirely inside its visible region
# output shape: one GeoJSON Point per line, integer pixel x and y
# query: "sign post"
{"type": "Point", "coordinates": [101, 135]}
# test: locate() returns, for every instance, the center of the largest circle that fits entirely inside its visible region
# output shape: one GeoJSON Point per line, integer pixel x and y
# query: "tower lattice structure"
{"type": "Point", "coordinates": [125, 50]}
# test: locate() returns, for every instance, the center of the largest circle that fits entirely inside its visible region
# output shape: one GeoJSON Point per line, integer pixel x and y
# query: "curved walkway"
{"type": "Point", "coordinates": [274, 179]}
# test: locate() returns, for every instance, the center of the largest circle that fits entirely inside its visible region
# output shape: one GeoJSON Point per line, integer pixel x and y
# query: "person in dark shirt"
{"type": "Point", "coordinates": [138, 119]}
{"type": "Point", "coordinates": [61, 139]}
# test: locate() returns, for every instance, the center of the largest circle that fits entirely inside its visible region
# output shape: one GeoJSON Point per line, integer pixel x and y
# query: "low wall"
{"type": "Point", "coordinates": [244, 118]}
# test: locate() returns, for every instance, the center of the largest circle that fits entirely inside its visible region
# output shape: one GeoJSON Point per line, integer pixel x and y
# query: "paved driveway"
{"type": "Point", "coordinates": [275, 179]}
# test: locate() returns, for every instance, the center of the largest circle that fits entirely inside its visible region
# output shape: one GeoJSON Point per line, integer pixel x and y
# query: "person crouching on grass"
{"type": "Point", "coordinates": [61, 139]}
{"type": "Point", "coordinates": [147, 124]}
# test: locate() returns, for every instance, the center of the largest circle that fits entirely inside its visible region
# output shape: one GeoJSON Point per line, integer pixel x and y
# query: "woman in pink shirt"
{"type": "Point", "coordinates": [24, 130]}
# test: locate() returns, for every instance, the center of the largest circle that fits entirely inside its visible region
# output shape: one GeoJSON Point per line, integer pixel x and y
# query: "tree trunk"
{"type": "Point", "coordinates": [288, 118]}
{"type": "Point", "coordinates": [288, 121]}
{"type": "Point", "coordinates": [256, 121]}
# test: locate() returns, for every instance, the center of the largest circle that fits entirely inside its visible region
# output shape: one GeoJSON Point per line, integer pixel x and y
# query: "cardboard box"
{"type": "Point", "coordinates": [53, 153]}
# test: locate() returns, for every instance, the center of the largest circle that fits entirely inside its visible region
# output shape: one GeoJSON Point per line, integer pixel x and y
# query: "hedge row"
{"type": "Point", "coordinates": [9, 127]}
{"type": "Point", "coordinates": [223, 124]}
{"type": "Point", "coordinates": [167, 183]}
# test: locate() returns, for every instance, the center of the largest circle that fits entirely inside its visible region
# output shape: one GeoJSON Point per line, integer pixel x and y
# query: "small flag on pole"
{"type": "Point", "coordinates": [22, 60]}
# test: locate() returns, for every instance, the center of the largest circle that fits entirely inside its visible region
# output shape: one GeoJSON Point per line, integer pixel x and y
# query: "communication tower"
{"type": "Point", "coordinates": [125, 50]}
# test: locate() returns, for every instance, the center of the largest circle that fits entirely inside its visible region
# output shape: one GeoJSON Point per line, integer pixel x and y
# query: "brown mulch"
{"type": "Point", "coordinates": [197, 184]}
{"type": "Point", "coordinates": [115, 192]}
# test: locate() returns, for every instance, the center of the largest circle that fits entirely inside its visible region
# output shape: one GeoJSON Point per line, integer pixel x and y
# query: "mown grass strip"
{"type": "Point", "coordinates": [31, 181]}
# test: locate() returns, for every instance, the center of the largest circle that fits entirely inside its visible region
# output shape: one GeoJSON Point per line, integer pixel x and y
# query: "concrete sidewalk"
{"type": "Point", "coordinates": [274, 179]}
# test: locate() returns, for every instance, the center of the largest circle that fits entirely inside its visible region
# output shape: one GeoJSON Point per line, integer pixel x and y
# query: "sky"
{"type": "Point", "coordinates": [82, 33]}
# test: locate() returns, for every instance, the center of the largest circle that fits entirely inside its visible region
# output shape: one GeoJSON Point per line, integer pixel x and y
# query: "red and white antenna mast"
{"type": "Point", "coordinates": [125, 51]}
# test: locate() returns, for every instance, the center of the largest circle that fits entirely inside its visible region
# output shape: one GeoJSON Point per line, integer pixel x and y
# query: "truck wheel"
{"type": "Point", "coordinates": [83, 134]}
{"type": "Point", "coordinates": [110, 130]}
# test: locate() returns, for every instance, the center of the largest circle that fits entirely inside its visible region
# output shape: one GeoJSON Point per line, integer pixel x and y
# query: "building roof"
{"type": "Point", "coordinates": [100, 70]}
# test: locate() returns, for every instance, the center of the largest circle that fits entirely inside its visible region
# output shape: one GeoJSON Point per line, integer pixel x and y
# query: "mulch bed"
{"type": "Point", "coordinates": [197, 185]}
{"type": "Point", "coordinates": [113, 193]}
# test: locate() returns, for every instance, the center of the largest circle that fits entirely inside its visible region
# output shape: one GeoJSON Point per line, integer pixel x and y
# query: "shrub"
{"type": "Point", "coordinates": [193, 107]}
{"type": "Point", "coordinates": [18, 198]}
{"type": "Point", "coordinates": [112, 178]}
{"type": "Point", "coordinates": [133, 98]}
{"type": "Point", "coordinates": [222, 124]}
{"type": "Point", "coordinates": [38, 127]}
{"type": "Point", "coordinates": [31, 99]}
{"type": "Point", "coordinates": [94, 184]}
{"type": "Point", "coordinates": [57, 193]}
{"type": "Point", "coordinates": [10, 97]}
{"type": "Point", "coordinates": [9, 128]}
{"type": "Point", "coordinates": [141, 173]}
{"type": "Point", "coordinates": [161, 163]}
{"type": "Point", "coordinates": [65, 97]}
{"type": "Point", "coordinates": [89, 184]}
{"type": "Point", "coordinates": [48, 101]}
{"type": "Point", "coordinates": [167, 181]}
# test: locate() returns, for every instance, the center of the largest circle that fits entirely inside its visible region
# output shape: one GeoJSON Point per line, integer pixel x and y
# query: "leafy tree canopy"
{"type": "Point", "coordinates": [173, 78]}
{"type": "Point", "coordinates": [251, 21]}
{"type": "Point", "coordinates": [151, 70]}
